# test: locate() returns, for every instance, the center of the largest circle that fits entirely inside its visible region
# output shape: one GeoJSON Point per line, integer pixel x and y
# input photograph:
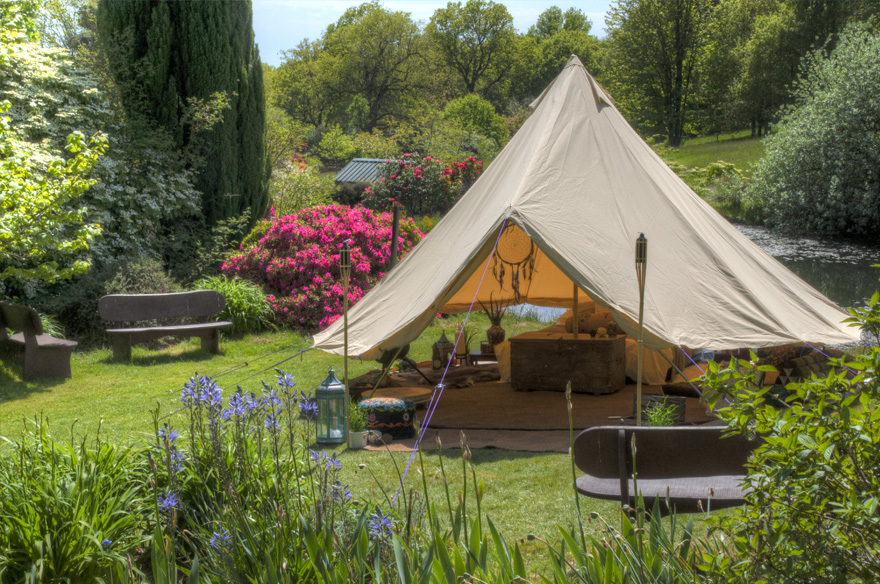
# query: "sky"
{"type": "Point", "coordinates": [281, 24]}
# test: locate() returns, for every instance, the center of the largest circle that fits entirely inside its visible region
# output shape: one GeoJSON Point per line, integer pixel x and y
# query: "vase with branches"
{"type": "Point", "coordinates": [495, 312]}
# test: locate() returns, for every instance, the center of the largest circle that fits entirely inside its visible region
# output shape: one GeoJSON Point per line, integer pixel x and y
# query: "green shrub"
{"type": "Point", "coordinates": [253, 238]}
{"type": "Point", "coordinates": [812, 513]}
{"type": "Point", "coordinates": [70, 512]}
{"type": "Point", "coordinates": [142, 276]}
{"type": "Point", "coordinates": [51, 326]}
{"type": "Point", "coordinates": [819, 174]}
{"type": "Point", "coordinates": [77, 307]}
{"type": "Point", "coordinates": [475, 114]}
{"type": "Point", "coordinates": [296, 185]}
{"type": "Point", "coordinates": [246, 306]}
{"type": "Point", "coordinates": [335, 148]}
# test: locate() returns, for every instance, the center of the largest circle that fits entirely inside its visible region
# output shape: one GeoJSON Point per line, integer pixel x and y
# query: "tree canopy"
{"type": "Point", "coordinates": [169, 60]}
{"type": "Point", "coordinates": [44, 232]}
{"type": "Point", "coordinates": [476, 40]}
{"type": "Point", "coordinates": [654, 48]}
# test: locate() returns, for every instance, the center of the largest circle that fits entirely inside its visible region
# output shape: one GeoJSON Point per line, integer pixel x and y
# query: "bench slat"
{"type": "Point", "coordinates": [687, 460]}
{"type": "Point", "coordinates": [172, 329]}
{"type": "Point", "coordinates": [43, 340]}
{"type": "Point", "coordinates": [133, 307]}
{"type": "Point", "coordinates": [727, 490]}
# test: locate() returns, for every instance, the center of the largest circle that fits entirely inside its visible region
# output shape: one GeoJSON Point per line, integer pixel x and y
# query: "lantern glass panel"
{"type": "Point", "coordinates": [331, 424]}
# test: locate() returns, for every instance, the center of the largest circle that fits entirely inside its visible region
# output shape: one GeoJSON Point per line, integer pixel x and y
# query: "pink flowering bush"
{"type": "Point", "coordinates": [297, 261]}
{"type": "Point", "coordinates": [422, 187]}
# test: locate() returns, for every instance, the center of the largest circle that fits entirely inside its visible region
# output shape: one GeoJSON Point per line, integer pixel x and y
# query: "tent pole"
{"type": "Point", "coordinates": [575, 324]}
{"type": "Point", "coordinates": [680, 372]}
{"type": "Point", "coordinates": [641, 272]}
{"type": "Point", "coordinates": [395, 231]}
{"type": "Point", "coordinates": [345, 268]}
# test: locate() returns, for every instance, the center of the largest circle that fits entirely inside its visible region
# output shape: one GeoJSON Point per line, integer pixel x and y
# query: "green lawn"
{"type": "Point", "coordinates": [525, 492]}
{"type": "Point", "coordinates": [738, 148]}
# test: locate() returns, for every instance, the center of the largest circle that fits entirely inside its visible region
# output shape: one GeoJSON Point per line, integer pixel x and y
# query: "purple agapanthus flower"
{"type": "Point", "coordinates": [166, 430]}
{"type": "Point", "coordinates": [272, 423]}
{"type": "Point", "coordinates": [221, 540]}
{"type": "Point", "coordinates": [177, 459]}
{"type": "Point", "coordinates": [237, 405]}
{"type": "Point", "coordinates": [380, 524]}
{"type": "Point", "coordinates": [308, 408]}
{"type": "Point", "coordinates": [340, 493]}
{"type": "Point", "coordinates": [211, 393]}
{"type": "Point", "coordinates": [168, 502]}
{"type": "Point", "coordinates": [331, 462]}
{"type": "Point", "coordinates": [271, 398]}
{"type": "Point", "coordinates": [189, 394]}
{"type": "Point", "coordinates": [106, 544]}
{"type": "Point", "coordinates": [284, 380]}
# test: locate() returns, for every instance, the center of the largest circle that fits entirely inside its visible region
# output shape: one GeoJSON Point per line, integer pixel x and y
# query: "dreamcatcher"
{"type": "Point", "coordinates": [514, 258]}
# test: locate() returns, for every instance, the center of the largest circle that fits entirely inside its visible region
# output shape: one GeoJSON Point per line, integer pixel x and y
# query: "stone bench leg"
{"type": "Point", "coordinates": [211, 341]}
{"type": "Point", "coordinates": [121, 347]}
{"type": "Point", "coordinates": [44, 362]}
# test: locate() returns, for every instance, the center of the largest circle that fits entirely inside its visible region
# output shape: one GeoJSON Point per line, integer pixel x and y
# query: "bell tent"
{"type": "Point", "coordinates": [557, 214]}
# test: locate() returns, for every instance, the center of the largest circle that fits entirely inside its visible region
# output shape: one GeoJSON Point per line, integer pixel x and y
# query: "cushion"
{"type": "Point", "coordinates": [680, 389]}
{"type": "Point", "coordinates": [563, 317]}
{"type": "Point", "coordinates": [583, 319]}
{"type": "Point", "coordinates": [602, 319]}
{"type": "Point", "coordinates": [502, 351]}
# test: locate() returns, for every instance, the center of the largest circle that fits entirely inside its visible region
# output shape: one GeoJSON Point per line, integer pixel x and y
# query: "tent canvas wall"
{"type": "Point", "coordinates": [580, 184]}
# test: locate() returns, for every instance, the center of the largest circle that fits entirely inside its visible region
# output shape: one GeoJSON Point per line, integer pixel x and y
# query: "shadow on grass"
{"type": "Point", "coordinates": [164, 358]}
{"type": "Point", "coordinates": [12, 388]}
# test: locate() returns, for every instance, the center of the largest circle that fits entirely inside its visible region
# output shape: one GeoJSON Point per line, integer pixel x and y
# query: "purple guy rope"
{"type": "Point", "coordinates": [691, 359]}
{"type": "Point", "coordinates": [829, 356]}
{"type": "Point", "coordinates": [435, 397]}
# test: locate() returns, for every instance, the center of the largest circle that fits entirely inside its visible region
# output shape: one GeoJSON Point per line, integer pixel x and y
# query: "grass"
{"type": "Point", "coordinates": [739, 148]}
{"type": "Point", "coordinates": [525, 492]}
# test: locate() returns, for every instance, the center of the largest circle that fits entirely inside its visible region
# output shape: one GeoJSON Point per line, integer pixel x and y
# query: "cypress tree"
{"type": "Point", "coordinates": [165, 53]}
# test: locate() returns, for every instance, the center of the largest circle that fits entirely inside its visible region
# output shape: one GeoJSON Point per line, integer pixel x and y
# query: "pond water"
{"type": "Point", "coordinates": [838, 269]}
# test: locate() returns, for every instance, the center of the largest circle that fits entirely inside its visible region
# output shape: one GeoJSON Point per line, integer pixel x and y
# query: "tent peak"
{"type": "Point", "coordinates": [574, 61]}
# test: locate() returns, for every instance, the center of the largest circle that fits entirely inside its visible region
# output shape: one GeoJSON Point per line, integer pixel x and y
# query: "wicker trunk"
{"type": "Point", "coordinates": [593, 366]}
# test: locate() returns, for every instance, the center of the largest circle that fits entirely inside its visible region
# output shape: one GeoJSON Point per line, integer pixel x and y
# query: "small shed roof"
{"type": "Point", "coordinates": [360, 170]}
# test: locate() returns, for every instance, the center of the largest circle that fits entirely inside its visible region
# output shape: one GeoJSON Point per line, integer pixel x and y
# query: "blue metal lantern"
{"type": "Point", "coordinates": [332, 425]}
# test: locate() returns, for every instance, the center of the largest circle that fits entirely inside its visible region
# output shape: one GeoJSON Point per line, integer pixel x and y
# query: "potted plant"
{"type": "Point", "coordinates": [357, 427]}
{"type": "Point", "coordinates": [464, 334]}
{"type": "Point", "coordinates": [494, 312]}
{"type": "Point", "coordinates": [668, 412]}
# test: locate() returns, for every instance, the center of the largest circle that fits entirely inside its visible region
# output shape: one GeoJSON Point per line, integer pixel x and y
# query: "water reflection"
{"type": "Point", "coordinates": [840, 270]}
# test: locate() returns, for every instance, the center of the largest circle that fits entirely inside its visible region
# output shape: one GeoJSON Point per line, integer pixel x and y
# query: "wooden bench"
{"type": "Point", "coordinates": [139, 307]}
{"type": "Point", "coordinates": [44, 355]}
{"type": "Point", "coordinates": [686, 460]}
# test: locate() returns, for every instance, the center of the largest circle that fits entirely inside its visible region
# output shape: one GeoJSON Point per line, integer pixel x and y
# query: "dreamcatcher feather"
{"type": "Point", "coordinates": [514, 257]}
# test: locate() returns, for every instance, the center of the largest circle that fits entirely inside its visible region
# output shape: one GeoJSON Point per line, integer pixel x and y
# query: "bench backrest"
{"type": "Point", "coordinates": [662, 452]}
{"type": "Point", "coordinates": [19, 318]}
{"type": "Point", "coordinates": [131, 307]}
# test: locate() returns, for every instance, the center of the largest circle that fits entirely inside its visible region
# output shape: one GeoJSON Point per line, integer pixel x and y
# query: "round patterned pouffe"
{"type": "Point", "coordinates": [390, 415]}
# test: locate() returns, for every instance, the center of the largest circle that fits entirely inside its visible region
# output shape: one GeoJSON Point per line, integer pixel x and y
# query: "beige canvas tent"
{"type": "Point", "coordinates": [563, 203]}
